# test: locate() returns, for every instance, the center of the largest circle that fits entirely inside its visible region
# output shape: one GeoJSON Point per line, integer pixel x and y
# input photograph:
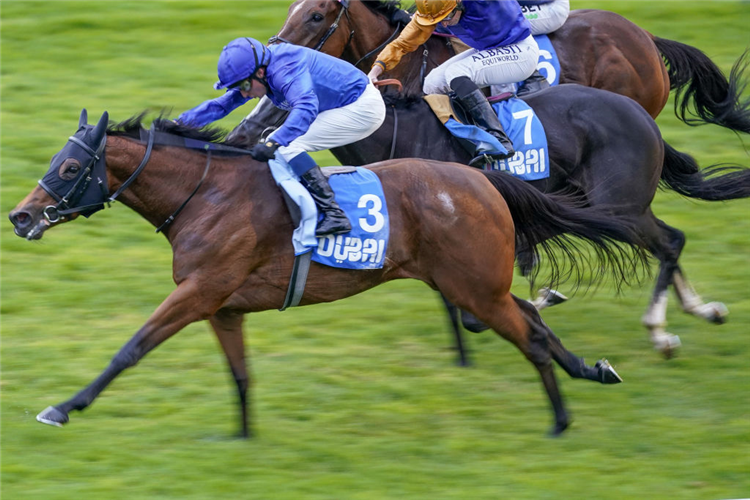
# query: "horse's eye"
{"type": "Point", "coordinates": [69, 169]}
{"type": "Point", "coordinates": [316, 17]}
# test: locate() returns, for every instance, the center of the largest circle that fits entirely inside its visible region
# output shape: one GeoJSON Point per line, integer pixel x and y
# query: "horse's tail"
{"type": "Point", "coordinates": [719, 182]}
{"type": "Point", "coordinates": [551, 224]}
{"type": "Point", "coordinates": [703, 93]}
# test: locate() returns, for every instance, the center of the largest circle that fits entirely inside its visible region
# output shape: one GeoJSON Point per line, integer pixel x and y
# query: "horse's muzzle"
{"type": "Point", "coordinates": [25, 227]}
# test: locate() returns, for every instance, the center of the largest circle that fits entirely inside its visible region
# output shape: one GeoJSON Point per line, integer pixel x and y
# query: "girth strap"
{"type": "Point", "coordinates": [298, 280]}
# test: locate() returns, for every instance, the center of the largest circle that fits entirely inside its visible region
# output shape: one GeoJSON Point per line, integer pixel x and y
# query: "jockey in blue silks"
{"type": "Point", "coordinates": [502, 52]}
{"type": "Point", "coordinates": [331, 104]}
{"type": "Point", "coordinates": [545, 16]}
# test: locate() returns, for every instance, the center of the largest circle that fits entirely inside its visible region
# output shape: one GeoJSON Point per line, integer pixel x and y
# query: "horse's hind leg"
{"type": "Point", "coordinates": [228, 328]}
{"type": "Point", "coordinates": [510, 322]}
{"type": "Point", "coordinates": [666, 244]}
{"type": "Point", "coordinates": [574, 366]}
{"type": "Point", "coordinates": [714, 312]}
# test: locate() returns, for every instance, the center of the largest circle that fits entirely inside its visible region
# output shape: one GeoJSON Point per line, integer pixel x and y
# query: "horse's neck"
{"type": "Point", "coordinates": [165, 183]}
{"type": "Point", "coordinates": [150, 193]}
{"type": "Point", "coordinates": [370, 30]}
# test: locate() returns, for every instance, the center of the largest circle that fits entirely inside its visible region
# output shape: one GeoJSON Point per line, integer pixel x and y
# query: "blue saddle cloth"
{"type": "Point", "coordinates": [549, 64]}
{"type": "Point", "coordinates": [360, 195]}
{"type": "Point", "coordinates": [531, 161]}
{"type": "Point", "coordinates": [359, 192]}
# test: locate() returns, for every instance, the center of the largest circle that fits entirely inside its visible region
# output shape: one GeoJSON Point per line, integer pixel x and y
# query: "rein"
{"type": "Point", "coordinates": [171, 218]}
{"type": "Point", "coordinates": [381, 46]}
{"type": "Point", "coordinates": [54, 214]}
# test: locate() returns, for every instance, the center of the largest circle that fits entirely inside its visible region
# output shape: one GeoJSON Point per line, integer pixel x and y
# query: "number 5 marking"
{"type": "Point", "coordinates": [371, 212]}
{"type": "Point", "coordinates": [529, 115]}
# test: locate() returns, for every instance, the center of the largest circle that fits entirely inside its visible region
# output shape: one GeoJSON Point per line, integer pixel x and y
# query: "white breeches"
{"type": "Point", "coordinates": [508, 64]}
{"type": "Point", "coordinates": [340, 126]}
{"type": "Point", "coordinates": [546, 18]}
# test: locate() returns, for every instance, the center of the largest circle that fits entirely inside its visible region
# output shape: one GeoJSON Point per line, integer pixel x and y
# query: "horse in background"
{"type": "Point", "coordinates": [231, 233]}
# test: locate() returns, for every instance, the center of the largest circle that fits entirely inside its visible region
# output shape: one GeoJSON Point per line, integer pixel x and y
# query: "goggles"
{"type": "Point", "coordinates": [245, 85]}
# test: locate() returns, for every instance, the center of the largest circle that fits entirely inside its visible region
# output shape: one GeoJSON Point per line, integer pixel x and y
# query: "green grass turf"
{"type": "Point", "coordinates": [356, 399]}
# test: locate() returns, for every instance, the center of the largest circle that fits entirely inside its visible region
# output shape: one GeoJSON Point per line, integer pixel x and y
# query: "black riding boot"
{"type": "Point", "coordinates": [484, 116]}
{"type": "Point", "coordinates": [334, 219]}
{"type": "Point", "coordinates": [534, 83]}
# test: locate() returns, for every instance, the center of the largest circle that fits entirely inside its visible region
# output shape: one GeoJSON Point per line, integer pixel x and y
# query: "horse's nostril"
{"type": "Point", "coordinates": [20, 219]}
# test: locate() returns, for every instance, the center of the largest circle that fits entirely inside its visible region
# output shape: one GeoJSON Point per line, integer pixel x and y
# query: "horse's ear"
{"type": "Point", "coordinates": [101, 127]}
{"type": "Point", "coordinates": [83, 119]}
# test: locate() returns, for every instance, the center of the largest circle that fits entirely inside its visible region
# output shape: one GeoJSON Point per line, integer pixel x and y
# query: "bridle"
{"type": "Point", "coordinates": [331, 29]}
{"type": "Point", "coordinates": [53, 213]}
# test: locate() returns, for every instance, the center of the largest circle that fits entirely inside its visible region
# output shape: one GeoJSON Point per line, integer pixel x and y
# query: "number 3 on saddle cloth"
{"type": "Point", "coordinates": [360, 194]}
{"type": "Point", "coordinates": [531, 161]}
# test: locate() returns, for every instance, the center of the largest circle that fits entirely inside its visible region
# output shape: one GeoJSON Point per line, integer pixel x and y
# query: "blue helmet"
{"type": "Point", "coordinates": [240, 59]}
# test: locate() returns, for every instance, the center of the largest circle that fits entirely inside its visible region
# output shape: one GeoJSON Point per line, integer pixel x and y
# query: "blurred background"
{"type": "Point", "coordinates": [360, 398]}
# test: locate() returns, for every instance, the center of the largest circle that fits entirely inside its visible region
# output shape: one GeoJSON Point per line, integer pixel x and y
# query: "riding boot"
{"type": "Point", "coordinates": [534, 83]}
{"type": "Point", "coordinates": [334, 219]}
{"type": "Point", "coordinates": [484, 116]}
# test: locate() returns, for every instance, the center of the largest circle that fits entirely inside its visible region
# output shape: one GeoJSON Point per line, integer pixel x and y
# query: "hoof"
{"type": "Point", "coordinates": [607, 374]}
{"type": "Point", "coordinates": [667, 345]}
{"type": "Point", "coordinates": [558, 429]}
{"type": "Point", "coordinates": [53, 416]}
{"type": "Point", "coordinates": [548, 298]}
{"type": "Point", "coordinates": [463, 363]}
{"type": "Point", "coordinates": [716, 313]}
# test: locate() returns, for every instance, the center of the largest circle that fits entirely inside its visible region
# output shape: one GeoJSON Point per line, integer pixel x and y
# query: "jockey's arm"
{"type": "Point", "coordinates": [299, 92]}
{"type": "Point", "coordinates": [214, 109]}
{"type": "Point", "coordinates": [413, 36]}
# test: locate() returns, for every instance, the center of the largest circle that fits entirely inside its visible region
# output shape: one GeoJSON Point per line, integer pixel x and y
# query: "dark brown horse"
{"type": "Point", "coordinates": [233, 254]}
{"type": "Point", "coordinates": [596, 48]}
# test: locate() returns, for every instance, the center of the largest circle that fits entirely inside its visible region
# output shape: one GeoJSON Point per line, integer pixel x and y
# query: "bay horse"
{"type": "Point", "coordinates": [596, 48]}
{"type": "Point", "coordinates": [600, 147]}
{"type": "Point", "coordinates": [233, 255]}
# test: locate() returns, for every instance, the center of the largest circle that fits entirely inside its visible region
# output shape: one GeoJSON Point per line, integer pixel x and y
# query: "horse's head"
{"type": "Point", "coordinates": [75, 184]}
{"type": "Point", "coordinates": [316, 24]}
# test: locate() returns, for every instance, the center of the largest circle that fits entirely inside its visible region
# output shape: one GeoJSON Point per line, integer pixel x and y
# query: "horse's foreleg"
{"type": "Point", "coordinates": [183, 306]}
{"type": "Point", "coordinates": [228, 328]}
{"type": "Point", "coordinates": [714, 312]}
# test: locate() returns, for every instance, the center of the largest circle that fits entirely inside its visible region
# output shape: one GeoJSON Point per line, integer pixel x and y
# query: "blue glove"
{"type": "Point", "coordinates": [264, 151]}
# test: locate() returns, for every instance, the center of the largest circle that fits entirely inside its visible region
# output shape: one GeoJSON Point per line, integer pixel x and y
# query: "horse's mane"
{"type": "Point", "coordinates": [132, 128]}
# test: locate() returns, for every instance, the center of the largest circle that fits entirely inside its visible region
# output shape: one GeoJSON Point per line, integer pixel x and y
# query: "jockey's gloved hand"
{"type": "Point", "coordinates": [265, 150]}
